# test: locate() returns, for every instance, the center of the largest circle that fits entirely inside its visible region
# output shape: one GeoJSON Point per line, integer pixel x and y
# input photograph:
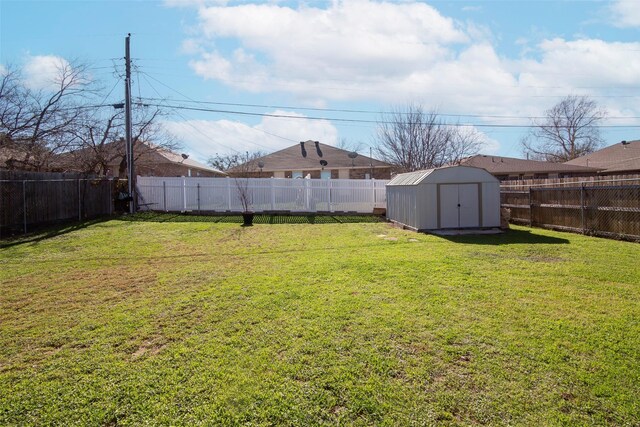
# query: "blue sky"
{"type": "Point", "coordinates": [481, 63]}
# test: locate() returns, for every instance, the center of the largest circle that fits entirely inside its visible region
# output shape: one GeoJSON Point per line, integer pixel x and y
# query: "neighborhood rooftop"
{"type": "Point", "coordinates": [306, 156]}
{"type": "Point", "coordinates": [621, 157]}
{"type": "Point", "coordinates": [498, 165]}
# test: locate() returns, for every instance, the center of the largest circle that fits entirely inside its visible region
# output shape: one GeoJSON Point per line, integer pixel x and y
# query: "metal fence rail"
{"type": "Point", "coordinates": [29, 203]}
{"type": "Point", "coordinates": [266, 194]}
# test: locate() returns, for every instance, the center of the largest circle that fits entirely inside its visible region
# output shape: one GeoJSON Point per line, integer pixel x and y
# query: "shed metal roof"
{"type": "Point", "coordinates": [410, 178]}
{"type": "Point", "coordinates": [443, 172]}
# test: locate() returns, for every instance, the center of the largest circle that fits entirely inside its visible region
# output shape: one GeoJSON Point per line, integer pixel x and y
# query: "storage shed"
{"type": "Point", "coordinates": [449, 197]}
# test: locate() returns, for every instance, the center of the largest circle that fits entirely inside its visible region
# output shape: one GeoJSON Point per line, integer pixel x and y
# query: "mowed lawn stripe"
{"type": "Point", "coordinates": [187, 323]}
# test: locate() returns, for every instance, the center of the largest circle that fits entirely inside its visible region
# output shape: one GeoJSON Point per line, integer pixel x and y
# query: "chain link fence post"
{"type": "Point", "coordinates": [79, 202]}
{"type": "Point", "coordinates": [582, 208]}
{"type": "Point", "coordinates": [530, 207]}
{"type": "Point", "coordinates": [24, 205]}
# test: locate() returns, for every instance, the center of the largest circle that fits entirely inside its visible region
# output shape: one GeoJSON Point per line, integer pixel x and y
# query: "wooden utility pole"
{"type": "Point", "coordinates": [127, 120]}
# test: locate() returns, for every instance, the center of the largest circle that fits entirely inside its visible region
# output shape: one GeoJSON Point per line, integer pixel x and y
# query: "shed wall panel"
{"type": "Point", "coordinates": [427, 207]}
{"type": "Point", "coordinates": [491, 204]}
{"type": "Point", "coordinates": [449, 215]}
{"type": "Point", "coordinates": [402, 201]}
{"type": "Point", "coordinates": [469, 205]}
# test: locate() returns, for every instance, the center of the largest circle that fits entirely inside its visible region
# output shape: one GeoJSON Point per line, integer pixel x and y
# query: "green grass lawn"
{"type": "Point", "coordinates": [160, 321]}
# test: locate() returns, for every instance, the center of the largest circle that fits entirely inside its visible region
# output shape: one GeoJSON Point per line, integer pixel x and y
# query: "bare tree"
{"type": "Point", "coordinates": [414, 139]}
{"type": "Point", "coordinates": [40, 122]}
{"type": "Point", "coordinates": [12, 101]}
{"type": "Point", "coordinates": [101, 144]}
{"type": "Point", "coordinates": [60, 126]}
{"type": "Point", "coordinates": [568, 130]}
{"type": "Point", "coordinates": [353, 146]}
{"type": "Point", "coordinates": [241, 172]}
{"type": "Point", "coordinates": [241, 163]}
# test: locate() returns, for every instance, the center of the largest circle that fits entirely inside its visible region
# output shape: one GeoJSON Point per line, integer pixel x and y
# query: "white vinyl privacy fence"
{"type": "Point", "coordinates": [266, 194]}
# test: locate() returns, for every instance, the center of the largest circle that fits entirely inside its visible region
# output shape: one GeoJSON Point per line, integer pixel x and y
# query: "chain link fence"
{"type": "Point", "coordinates": [608, 208]}
{"type": "Point", "coordinates": [38, 201]}
{"type": "Point", "coordinates": [601, 207]}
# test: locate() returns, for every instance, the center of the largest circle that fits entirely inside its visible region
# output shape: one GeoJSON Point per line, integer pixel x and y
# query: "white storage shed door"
{"type": "Point", "coordinates": [459, 206]}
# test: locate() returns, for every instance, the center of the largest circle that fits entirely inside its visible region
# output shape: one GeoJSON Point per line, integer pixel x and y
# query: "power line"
{"type": "Point", "coordinates": [194, 128]}
{"type": "Point", "coordinates": [192, 100]}
{"type": "Point", "coordinates": [300, 83]}
{"type": "Point", "coordinates": [341, 110]}
{"type": "Point", "coordinates": [109, 94]}
{"type": "Point", "coordinates": [345, 120]}
{"type": "Point", "coordinates": [184, 118]}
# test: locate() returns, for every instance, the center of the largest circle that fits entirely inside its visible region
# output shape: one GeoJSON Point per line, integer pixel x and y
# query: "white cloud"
{"type": "Point", "coordinates": [399, 52]}
{"type": "Point", "coordinates": [204, 138]}
{"type": "Point", "coordinates": [585, 63]}
{"type": "Point", "coordinates": [626, 13]}
{"type": "Point", "coordinates": [341, 48]}
{"type": "Point", "coordinates": [191, 47]}
{"type": "Point", "coordinates": [607, 71]}
{"type": "Point", "coordinates": [41, 71]}
{"type": "Point", "coordinates": [488, 145]}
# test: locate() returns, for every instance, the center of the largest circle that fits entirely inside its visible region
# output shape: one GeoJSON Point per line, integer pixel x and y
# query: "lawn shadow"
{"type": "Point", "coordinates": [49, 232]}
{"type": "Point", "coordinates": [509, 237]}
{"type": "Point", "coordinates": [267, 218]}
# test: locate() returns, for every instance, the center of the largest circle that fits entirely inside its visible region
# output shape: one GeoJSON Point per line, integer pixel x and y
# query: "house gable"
{"type": "Point", "coordinates": [305, 158]}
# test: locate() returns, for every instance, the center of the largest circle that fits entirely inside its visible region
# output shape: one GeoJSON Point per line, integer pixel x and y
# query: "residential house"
{"type": "Point", "coordinates": [150, 160]}
{"type": "Point", "coordinates": [167, 163]}
{"type": "Point", "coordinates": [618, 159]}
{"type": "Point", "coordinates": [18, 157]}
{"type": "Point", "coordinates": [316, 160]}
{"type": "Point", "coordinates": [509, 168]}
{"type": "Point", "coordinates": [11, 158]}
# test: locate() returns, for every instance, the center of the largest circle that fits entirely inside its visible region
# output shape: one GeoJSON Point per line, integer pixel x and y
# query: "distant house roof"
{"type": "Point", "coordinates": [17, 158]}
{"type": "Point", "coordinates": [306, 156]}
{"type": "Point", "coordinates": [621, 157]}
{"type": "Point", "coordinates": [149, 158]}
{"type": "Point", "coordinates": [498, 165]}
{"type": "Point", "coordinates": [10, 155]}
{"type": "Point", "coordinates": [176, 158]}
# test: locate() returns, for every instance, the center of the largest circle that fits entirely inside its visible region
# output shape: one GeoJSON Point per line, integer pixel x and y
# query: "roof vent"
{"type": "Point", "coordinates": [624, 143]}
